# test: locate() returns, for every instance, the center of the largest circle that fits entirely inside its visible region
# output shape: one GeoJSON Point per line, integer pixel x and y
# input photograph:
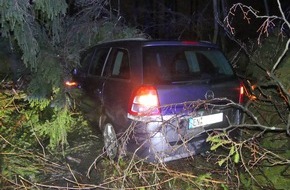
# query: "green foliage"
{"type": "Point", "coordinates": [23, 117]}
{"type": "Point", "coordinates": [54, 128]}
{"type": "Point", "coordinates": [51, 15]}
{"type": "Point", "coordinates": [30, 127]}
{"type": "Point", "coordinates": [222, 140]}
{"type": "Point", "coordinates": [47, 80]}
{"type": "Point", "coordinates": [246, 180]}
{"type": "Point", "coordinates": [17, 164]}
{"type": "Point", "coordinates": [264, 57]}
{"type": "Point", "coordinates": [283, 72]}
{"type": "Point", "coordinates": [268, 177]}
{"type": "Point", "coordinates": [14, 18]}
{"type": "Point", "coordinates": [51, 8]}
{"type": "Point", "coordinates": [22, 18]}
{"type": "Point", "coordinates": [11, 121]}
{"type": "Point", "coordinates": [269, 103]}
{"type": "Point", "coordinates": [50, 41]}
{"type": "Point", "coordinates": [126, 173]}
{"type": "Point", "coordinates": [88, 28]}
{"type": "Point", "coordinates": [14, 135]}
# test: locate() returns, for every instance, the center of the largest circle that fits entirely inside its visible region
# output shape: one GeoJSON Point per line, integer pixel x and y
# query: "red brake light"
{"type": "Point", "coordinates": [144, 101]}
{"type": "Point", "coordinates": [241, 94]}
{"type": "Point", "coordinates": [189, 42]}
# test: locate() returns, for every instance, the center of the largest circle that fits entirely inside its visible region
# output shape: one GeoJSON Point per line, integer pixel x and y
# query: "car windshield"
{"type": "Point", "coordinates": [183, 63]}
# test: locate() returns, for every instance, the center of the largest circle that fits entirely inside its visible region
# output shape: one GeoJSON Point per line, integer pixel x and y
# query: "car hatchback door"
{"type": "Point", "coordinates": [184, 78]}
{"type": "Point", "coordinates": [188, 73]}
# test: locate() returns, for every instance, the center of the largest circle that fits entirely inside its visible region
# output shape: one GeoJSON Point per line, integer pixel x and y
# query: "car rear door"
{"type": "Point", "coordinates": [96, 78]}
{"type": "Point", "coordinates": [118, 87]}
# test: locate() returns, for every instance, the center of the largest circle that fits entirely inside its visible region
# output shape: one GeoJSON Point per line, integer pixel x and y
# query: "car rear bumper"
{"type": "Point", "coordinates": [157, 141]}
{"type": "Point", "coordinates": [157, 149]}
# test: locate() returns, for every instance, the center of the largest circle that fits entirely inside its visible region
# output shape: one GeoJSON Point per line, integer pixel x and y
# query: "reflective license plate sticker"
{"type": "Point", "coordinates": [205, 120]}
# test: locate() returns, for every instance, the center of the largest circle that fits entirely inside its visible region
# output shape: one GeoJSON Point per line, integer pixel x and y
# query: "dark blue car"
{"type": "Point", "coordinates": [159, 99]}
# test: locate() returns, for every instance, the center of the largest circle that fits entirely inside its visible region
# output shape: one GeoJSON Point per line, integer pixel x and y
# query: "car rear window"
{"type": "Point", "coordinates": [183, 63]}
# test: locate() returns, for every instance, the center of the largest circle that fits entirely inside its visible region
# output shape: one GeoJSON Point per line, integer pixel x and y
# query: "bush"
{"type": "Point", "coordinates": [29, 128]}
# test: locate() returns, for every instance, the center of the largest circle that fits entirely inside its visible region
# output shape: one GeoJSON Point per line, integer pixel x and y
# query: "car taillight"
{"type": "Point", "coordinates": [71, 84]}
{"type": "Point", "coordinates": [241, 94]}
{"type": "Point", "coordinates": [144, 101]}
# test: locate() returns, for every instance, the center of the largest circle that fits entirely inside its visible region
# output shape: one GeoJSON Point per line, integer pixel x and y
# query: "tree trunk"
{"type": "Point", "coordinates": [224, 12]}
{"type": "Point", "coordinates": [216, 17]}
{"type": "Point", "coordinates": [266, 7]}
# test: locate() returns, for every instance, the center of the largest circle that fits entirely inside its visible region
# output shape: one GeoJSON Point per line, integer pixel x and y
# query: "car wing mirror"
{"type": "Point", "coordinates": [78, 72]}
{"type": "Point", "coordinates": [75, 71]}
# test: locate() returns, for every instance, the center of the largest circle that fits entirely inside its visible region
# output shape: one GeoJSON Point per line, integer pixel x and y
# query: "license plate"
{"type": "Point", "coordinates": [205, 120]}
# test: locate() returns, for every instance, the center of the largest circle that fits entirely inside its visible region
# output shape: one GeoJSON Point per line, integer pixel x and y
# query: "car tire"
{"type": "Point", "coordinates": [110, 141]}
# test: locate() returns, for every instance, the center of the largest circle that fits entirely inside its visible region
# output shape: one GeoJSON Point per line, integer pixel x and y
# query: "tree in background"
{"type": "Point", "coordinates": [266, 78]}
{"type": "Point", "coordinates": [48, 35]}
{"type": "Point", "coordinates": [268, 57]}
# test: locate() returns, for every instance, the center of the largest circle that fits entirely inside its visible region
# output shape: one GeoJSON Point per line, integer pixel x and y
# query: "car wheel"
{"type": "Point", "coordinates": [110, 141]}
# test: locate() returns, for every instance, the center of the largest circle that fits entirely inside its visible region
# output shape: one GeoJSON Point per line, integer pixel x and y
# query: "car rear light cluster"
{"type": "Point", "coordinates": [241, 94]}
{"type": "Point", "coordinates": [144, 101]}
{"type": "Point", "coordinates": [71, 84]}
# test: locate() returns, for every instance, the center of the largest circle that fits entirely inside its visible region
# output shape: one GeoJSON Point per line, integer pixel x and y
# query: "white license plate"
{"type": "Point", "coordinates": [205, 120]}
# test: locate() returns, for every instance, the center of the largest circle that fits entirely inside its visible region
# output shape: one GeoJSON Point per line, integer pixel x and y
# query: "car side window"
{"type": "Point", "coordinates": [87, 59]}
{"type": "Point", "coordinates": [98, 61]}
{"type": "Point", "coordinates": [121, 66]}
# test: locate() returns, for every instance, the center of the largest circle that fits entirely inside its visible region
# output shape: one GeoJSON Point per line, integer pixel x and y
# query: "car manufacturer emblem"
{"type": "Point", "coordinates": [209, 95]}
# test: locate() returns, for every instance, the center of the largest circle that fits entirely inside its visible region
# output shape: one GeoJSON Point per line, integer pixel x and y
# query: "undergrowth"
{"type": "Point", "coordinates": [32, 133]}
